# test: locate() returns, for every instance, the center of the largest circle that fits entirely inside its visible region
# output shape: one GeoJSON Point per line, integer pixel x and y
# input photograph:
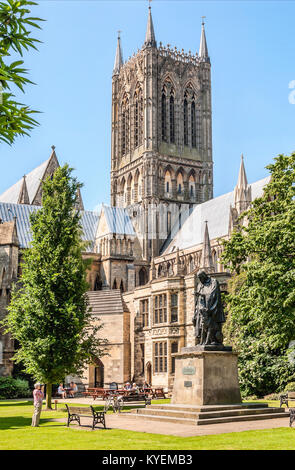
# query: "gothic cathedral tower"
{"type": "Point", "coordinates": [161, 135]}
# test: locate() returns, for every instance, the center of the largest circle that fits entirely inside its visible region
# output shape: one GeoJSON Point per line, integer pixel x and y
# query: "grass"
{"type": "Point", "coordinates": [16, 433]}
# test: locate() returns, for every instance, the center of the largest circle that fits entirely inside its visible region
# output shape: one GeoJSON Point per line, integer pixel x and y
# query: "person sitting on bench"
{"type": "Point", "coordinates": [61, 391]}
{"type": "Point", "coordinates": [74, 389]}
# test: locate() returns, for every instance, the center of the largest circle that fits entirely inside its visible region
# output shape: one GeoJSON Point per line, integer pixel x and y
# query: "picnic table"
{"type": "Point", "coordinates": [105, 393]}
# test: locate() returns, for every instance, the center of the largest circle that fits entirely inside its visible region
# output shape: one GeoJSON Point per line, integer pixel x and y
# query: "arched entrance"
{"type": "Point", "coordinates": [148, 373]}
{"type": "Point", "coordinates": [97, 375]}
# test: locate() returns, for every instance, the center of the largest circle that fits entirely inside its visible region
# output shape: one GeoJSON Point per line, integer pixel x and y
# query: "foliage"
{"type": "Point", "coordinates": [261, 299]}
{"type": "Point", "coordinates": [14, 388]}
{"type": "Point", "coordinates": [290, 387]}
{"type": "Point", "coordinates": [15, 38]}
{"type": "Point", "coordinates": [49, 314]}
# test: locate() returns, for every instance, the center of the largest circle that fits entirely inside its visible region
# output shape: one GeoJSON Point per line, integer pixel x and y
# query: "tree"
{"type": "Point", "coordinates": [49, 314]}
{"type": "Point", "coordinates": [16, 119]}
{"type": "Point", "coordinates": [261, 301]}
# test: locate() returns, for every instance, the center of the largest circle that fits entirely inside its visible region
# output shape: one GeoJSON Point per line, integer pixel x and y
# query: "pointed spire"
{"type": "Point", "coordinates": [119, 56]}
{"type": "Point", "coordinates": [242, 179]}
{"type": "Point", "coordinates": [203, 51]}
{"type": "Point", "coordinates": [242, 191]}
{"type": "Point", "coordinates": [80, 204]}
{"type": "Point", "coordinates": [206, 258]}
{"type": "Point", "coordinates": [23, 197]}
{"type": "Point", "coordinates": [150, 39]}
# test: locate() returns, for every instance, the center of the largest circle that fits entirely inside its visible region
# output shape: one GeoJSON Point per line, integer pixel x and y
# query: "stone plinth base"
{"type": "Point", "coordinates": [205, 377]}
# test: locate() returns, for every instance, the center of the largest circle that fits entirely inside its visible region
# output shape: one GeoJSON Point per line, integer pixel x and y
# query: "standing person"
{"type": "Point", "coordinates": [38, 398]}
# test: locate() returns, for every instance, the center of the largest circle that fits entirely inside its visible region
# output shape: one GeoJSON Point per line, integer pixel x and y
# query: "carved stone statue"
{"type": "Point", "coordinates": [209, 315]}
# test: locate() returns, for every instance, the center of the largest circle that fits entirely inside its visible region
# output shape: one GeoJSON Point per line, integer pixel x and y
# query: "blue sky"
{"type": "Point", "coordinates": [251, 45]}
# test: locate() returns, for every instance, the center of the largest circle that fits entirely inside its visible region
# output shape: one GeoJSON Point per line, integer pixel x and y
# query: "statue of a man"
{"type": "Point", "coordinates": [209, 315]}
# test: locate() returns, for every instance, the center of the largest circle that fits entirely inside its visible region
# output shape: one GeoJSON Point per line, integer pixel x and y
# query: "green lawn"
{"type": "Point", "coordinates": [16, 433]}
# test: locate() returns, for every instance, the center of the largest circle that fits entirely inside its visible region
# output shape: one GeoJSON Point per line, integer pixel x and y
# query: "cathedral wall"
{"type": "Point", "coordinates": [8, 272]}
{"type": "Point", "coordinates": [116, 363]}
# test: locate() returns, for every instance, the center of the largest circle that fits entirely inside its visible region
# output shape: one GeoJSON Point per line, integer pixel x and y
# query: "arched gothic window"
{"type": "Point", "coordinates": [193, 123]}
{"type": "Point", "coordinates": [125, 125]}
{"type": "Point", "coordinates": [180, 186]}
{"type": "Point", "coordinates": [192, 189]}
{"type": "Point", "coordinates": [164, 114]}
{"type": "Point", "coordinates": [185, 119]}
{"type": "Point", "coordinates": [172, 118]}
{"type": "Point", "coordinates": [168, 182]}
{"type": "Point", "coordinates": [138, 117]}
{"type": "Point", "coordinates": [142, 275]}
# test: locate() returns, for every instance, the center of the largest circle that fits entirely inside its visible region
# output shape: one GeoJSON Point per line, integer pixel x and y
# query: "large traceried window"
{"type": "Point", "coordinates": [160, 356]}
{"type": "Point", "coordinates": [144, 312]}
{"type": "Point", "coordinates": [160, 308]}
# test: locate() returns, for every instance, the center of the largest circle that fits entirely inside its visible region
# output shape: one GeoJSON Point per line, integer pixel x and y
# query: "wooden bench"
{"type": "Point", "coordinates": [286, 397]}
{"type": "Point", "coordinates": [159, 393]}
{"type": "Point", "coordinates": [136, 397]}
{"type": "Point", "coordinates": [75, 412]}
{"type": "Point", "coordinates": [117, 401]}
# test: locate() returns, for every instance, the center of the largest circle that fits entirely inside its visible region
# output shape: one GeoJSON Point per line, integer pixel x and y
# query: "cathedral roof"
{"type": "Point", "coordinates": [89, 221]}
{"type": "Point", "coordinates": [117, 221]}
{"type": "Point", "coordinates": [32, 183]}
{"type": "Point", "coordinates": [105, 302]}
{"type": "Point", "coordinates": [216, 212]}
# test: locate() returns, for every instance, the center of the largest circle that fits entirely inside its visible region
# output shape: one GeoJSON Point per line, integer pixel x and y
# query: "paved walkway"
{"type": "Point", "coordinates": [117, 421]}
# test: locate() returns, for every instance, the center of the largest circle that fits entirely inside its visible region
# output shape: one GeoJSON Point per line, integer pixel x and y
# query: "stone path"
{"type": "Point", "coordinates": [184, 430]}
{"type": "Point", "coordinates": [116, 421]}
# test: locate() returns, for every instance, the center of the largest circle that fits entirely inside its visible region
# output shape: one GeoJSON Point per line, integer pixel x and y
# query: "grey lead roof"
{"type": "Point", "coordinates": [33, 182]}
{"type": "Point", "coordinates": [118, 220]}
{"type": "Point", "coordinates": [89, 221]}
{"type": "Point", "coordinates": [216, 212]}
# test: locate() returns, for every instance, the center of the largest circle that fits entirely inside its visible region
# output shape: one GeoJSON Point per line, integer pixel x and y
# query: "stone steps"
{"type": "Point", "coordinates": [206, 414]}
{"type": "Point", "coordinates": [203, 415]}
{"type": "Point", "coordinates": [205, 408]}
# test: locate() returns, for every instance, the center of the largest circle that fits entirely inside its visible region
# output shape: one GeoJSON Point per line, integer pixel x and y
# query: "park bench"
{"type": "Point", "coordinates": [117, 401]}
{"type": "Point", "coordinates": [75, 412]}
{"type": "Point", "coordinates": [95, 393]}
{"type": "Point", "coordinates": [286, 397]}
{"type": "Point", "coordinates": [159, 393]}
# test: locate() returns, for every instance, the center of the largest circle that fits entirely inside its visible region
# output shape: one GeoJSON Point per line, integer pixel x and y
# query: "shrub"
{"type": "Point", "coordinates": [272, 396]}
{"type": "Point", "coordinates": [290, 387]}
{"type": "Point", "coordinates": [14, 388]}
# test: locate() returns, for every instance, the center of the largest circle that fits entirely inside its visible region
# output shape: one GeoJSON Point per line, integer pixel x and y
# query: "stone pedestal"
{"type": "Point", "coordinates": [205, 377]}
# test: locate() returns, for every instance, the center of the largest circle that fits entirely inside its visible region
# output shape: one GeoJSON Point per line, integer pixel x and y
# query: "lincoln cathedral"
{"type": "Point", "coordinates": [163, 223]}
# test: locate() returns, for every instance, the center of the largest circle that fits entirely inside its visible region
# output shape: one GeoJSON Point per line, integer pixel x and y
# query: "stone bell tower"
{"type": "Point", "coordinates": [161, 135]}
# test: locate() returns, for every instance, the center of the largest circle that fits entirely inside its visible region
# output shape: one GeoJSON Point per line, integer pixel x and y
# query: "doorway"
{"type": "Point", "coordinates": [99, 375]}
{"type": "Point", "coordinates": [149, 373]}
